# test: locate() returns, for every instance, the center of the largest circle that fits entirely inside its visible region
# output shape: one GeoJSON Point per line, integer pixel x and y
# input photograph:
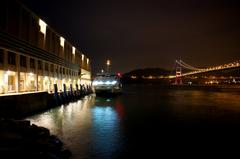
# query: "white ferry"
{"type": "Point", "coordinates": [107, 83]}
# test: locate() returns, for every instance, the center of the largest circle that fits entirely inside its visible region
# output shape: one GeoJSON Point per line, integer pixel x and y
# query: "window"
{"type": "Point", "coordinates": [23, 61]}
{"type": "Point", "coordinates": [39, 64]}
{"type": "Point", "coordinates": [64, 71]}
{"type": "Point", "coordinates": [53, 42]}
{"type": "Point", "coordinates": [43, 26]}
{"type": "Point", "coordinates": [34, 31]}
{"type": "Point", "coordinates": [11, 58]}
{"type": "Point", "coordinates": [51, 67]}
{"type": "Point", "coordinates": [1, 56]}
{"type": "Point", "coordinates": [32, 63]}
{"type": "Point", "coordinates": [46, 66]}
{"type": "Point", "coordinates": [60, 69]}
{"type": "Point", "coordinates": [56, 69]}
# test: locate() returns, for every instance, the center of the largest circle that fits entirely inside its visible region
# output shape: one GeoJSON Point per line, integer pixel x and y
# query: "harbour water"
{"type": "Point", "coordinates": [148, 121]}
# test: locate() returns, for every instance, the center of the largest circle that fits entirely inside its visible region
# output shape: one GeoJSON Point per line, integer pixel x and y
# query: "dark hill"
{"type": "Point", "coordinates": [147, 72]}
{"type": "Point", "coordinates": [141, 76]}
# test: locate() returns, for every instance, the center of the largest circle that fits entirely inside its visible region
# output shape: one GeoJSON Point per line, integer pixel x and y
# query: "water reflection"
{"type": "Point", "coordinates": [130, 125]}
{"type": "Point", "coordinates": [105, 132]}
{"type": "Point", "coordinates": [90, 127]}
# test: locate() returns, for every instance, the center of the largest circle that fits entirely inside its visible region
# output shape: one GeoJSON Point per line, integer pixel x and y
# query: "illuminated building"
{"type": "Point", "coordinates": [33, 57]}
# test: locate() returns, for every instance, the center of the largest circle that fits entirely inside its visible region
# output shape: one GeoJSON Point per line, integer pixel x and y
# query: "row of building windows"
{"type": "Point", "coordinates": [32, 58]}
{"type": "Point", "coordinates": [20, 22]}
{"type": "Point", "coordinates": [11, 56]}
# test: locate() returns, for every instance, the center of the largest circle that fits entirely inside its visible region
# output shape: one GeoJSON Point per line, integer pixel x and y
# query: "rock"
{"type": "Point", "coordinates": [65, 154]}
{"type": "Point", "coordinates": [56, 141]}
{"type": "Point", "coordinates": [8, 124]}
{"type": "Point", "coordinates": [39, 131]}
{"type": "Point", "coordinates": [9, 138]}
{"type": "Point", "coordinates": [19, 139]}
{"type": "Point", "coordinates": [22, 124]}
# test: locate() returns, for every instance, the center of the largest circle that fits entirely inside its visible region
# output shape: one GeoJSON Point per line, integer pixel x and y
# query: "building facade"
{"type": "Point", "coordinates": [33, 57]}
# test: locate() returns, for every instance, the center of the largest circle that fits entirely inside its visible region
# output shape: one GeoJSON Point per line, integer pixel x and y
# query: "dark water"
{"type": "Point", "coordinates": [149, 122]}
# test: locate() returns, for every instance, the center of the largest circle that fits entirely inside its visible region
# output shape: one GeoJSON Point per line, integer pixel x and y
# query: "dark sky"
{"type": "Point", "coordinates": [138, 34]}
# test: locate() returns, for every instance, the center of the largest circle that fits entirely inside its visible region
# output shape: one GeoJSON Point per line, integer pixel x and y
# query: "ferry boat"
{"type": "Point", "coordinates": [107, 83]}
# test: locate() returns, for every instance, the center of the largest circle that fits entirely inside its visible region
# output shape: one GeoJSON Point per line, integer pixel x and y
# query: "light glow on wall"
{"type": "Point", "coordinates": [73, 50]}
{"type": "Point", "coordinates": [82, 57]}
{"type": "Point", "coordinates": [5, 80]}
{"type": "Point", "coordinates": [62, 40]}
{"type": "Point", "coordinates": [85, 74]}
{"type": "Point", "coordinates": [43, 26]}
{"type": "Point", "coordinates": [87, 61]}
{"type": "Point", "coordinates": [55, 80]}
{"type": "Point", "coordinates": [8, 72]}
{"type": "Point", "coordinates": [46, 78]}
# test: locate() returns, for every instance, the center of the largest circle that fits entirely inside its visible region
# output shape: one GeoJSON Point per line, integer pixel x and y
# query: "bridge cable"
{"type": "Point", "coordinates": [183, 65]}
{"type": "Point", "coordinates": [189, 65]}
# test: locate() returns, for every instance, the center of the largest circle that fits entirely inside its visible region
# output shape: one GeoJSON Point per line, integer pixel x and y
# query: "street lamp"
{"type": "Point", "coordinates": [108, 65]}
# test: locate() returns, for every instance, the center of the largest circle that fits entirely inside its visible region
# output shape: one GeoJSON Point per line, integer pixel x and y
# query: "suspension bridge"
{"type": "Point", "coordinates": [180, 65]}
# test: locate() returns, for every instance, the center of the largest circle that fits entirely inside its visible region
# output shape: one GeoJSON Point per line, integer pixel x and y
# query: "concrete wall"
{"type": "Point", "coordinates": [16, 106]}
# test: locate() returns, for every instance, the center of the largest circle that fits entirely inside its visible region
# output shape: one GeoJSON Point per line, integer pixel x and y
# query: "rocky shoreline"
{"type": "Point", "coordinates": [21, 139]}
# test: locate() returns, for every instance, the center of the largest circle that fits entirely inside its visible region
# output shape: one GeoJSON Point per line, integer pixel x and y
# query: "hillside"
{"type": "Point", "coordinates": [147, 72]}
{"type": "Point", "coordinates": [146, 75]}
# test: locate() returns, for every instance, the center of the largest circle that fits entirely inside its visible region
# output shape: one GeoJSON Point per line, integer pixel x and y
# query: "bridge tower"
{"type": "Point", "coordinates": [178, 79]}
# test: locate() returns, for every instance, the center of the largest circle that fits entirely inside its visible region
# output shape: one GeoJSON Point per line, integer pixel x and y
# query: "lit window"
{"type": "Point", "coordinates": [73, 50]}
{"type": "Point", "coordinates": [82, 57]}
{"type": "Point", "coordinates": [62, 40]}
{"type": "Point", "coordinates": [87, 60]}
{"type": "Point", "coordinates": [43, 26]}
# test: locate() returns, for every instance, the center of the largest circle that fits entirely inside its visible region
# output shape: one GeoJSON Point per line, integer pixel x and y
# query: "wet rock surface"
{"type": "Point", "coordinates": [21, 139]}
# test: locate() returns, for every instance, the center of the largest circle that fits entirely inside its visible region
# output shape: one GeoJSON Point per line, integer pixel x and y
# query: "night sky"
{"type": "Point", "coordinates": [139, 34]}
